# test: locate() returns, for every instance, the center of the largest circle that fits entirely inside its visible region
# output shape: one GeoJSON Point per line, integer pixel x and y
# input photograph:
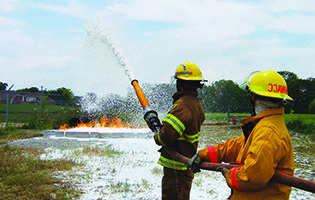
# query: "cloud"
{"type": "Point", "coordinates": [72, 8]}
{"type": "Point", "coordinates": [289, 5]}
{"type": "Point", "coordinates": [8, 6]}
{"type": "Point", "coordinates": [227, 39]}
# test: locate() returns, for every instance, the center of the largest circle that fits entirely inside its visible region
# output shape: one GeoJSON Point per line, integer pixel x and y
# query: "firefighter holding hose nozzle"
{"type": "Point", "coordinates": [265, 147]}
{"type": "Point", "coordinates": [181, 130]}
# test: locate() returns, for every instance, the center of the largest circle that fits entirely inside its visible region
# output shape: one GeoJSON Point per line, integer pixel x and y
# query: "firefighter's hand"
{"type": "Point", "coordinates": [223, 170]}
{"type": "Point", "coordinates": [154, 124]}
{"type": "Point", "coordinates": [194, 163]}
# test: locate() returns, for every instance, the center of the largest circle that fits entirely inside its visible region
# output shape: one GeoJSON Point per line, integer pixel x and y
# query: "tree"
{"type": "Point", "coordinates": [288, 76]}
{"type": "Point", "coordinates": [224, 96]}
{"type": "Point", "coordinates": [207, 98]}
{"type": "Point", "coordinates": [311, 108]}
{"type": "Point", "coordinates": [3, 86]}
{"type": "Point", "coordinates": [31, 89]}
{"type": "Point", "coordinates": [68, 96]}
{"type": "Point", "coordinates": [63, 96]}
{"type": "Point", "coordinates": [301, 90]}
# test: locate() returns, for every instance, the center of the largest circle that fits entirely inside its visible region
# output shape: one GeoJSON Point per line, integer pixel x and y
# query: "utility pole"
{"type": "Point", "coordinates": [7, 106]}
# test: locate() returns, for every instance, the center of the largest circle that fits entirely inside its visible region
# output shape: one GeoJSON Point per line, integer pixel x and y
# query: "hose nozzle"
{"type": "Point", "coordinates": [150, 115]}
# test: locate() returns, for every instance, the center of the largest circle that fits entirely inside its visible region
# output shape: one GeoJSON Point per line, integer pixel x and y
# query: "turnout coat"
{"type": "Point", "coordinates": [264, 149]}
{"type": "Point", "coordinates": [181, 128]}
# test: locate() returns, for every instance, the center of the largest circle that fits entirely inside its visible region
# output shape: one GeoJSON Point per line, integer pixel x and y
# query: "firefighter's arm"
{"type": "Point", "coordinates": [259, 165]}
{"type": "Point", "coordinates": [226, 152]}
{"type": "Point", "coordinates": [173, 125]}
{"type": "Point", "coordinates": [166, 136]}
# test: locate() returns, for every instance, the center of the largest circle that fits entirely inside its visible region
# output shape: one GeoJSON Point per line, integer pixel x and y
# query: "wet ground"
{"type": "Point", "coordinates": [133, 172]}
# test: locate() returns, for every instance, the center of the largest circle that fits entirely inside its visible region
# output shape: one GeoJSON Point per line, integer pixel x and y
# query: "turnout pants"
{"type": "Point", "coordinates": [176, 184]}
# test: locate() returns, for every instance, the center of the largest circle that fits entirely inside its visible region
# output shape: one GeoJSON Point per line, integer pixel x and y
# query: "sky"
{"type": "Point", "coordinates": [88, 45]}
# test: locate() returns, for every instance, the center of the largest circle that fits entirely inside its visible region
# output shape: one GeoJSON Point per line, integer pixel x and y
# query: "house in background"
{"type": "Point", "coordinates": [23, 98]}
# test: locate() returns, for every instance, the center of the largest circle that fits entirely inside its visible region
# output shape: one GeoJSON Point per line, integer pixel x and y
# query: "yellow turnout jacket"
{"type": "Point", "coordinates": [264, 149]}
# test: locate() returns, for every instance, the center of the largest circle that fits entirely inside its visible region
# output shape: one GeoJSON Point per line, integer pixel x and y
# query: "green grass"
{"type": "Point", "coordinates": [219, 117]}
{"type": "Point", "coordinates": [302, 123]}
{"type": "Point", "coordinates": [29, 108]}
{"type": "Point", "coordinates": [19, 113]}
{"type": "Point", "coordinates": [10, 134]}
{"type": "Point", "coordinates": [24, 176]}
{"type": "Point", "coordinates": [306, 118]}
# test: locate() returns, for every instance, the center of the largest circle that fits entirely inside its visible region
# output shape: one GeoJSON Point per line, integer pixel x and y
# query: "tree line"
{"type": "Point", "coordinates": [218, 96]}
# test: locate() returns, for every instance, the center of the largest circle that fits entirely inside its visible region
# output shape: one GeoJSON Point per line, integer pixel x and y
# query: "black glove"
{"type": "Point", "coordinates": [153, 121]}
{"type": "Point", "coordinates": [194, 163]}
{"type": "Point", "coordinates": [223, 170]}
{"type": "Point", "coordinates": [155, 124]}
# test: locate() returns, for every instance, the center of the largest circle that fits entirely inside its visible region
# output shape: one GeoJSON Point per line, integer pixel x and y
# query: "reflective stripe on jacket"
{"type": "Point", "coordinates": [181, 128]}
{"type": "Point", "coordinates": [264, 149]}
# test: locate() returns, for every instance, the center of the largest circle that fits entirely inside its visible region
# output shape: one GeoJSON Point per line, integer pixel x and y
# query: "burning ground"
{"type": "Point", "coordinates": [126, 168]}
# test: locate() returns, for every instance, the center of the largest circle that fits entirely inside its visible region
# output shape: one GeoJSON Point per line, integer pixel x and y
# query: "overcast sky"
{"type": "Point", "coordinates": [53, 44]}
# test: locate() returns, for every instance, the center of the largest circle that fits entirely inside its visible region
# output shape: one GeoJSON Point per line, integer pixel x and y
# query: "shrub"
{"type": "Point", "coordinates": [311, 108]}
{"type": "Point", "coordinates": [6, 130]}
{"type": "Point", "coordinates": [299, 126]}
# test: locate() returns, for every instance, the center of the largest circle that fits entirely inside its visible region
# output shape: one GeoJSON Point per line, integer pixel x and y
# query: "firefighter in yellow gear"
{"type": "Point", "coordinates": [264, 148]}
{"type": "Point", "coordinates": [181, 130]}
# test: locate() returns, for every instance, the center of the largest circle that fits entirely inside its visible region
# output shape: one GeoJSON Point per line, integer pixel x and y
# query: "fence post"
{"type": "Point", "coordinates": [228, 119]}
{"type": "Point", "coordinates": [7, 106]}
{"type": "Point", "coordinates": [7, 109]}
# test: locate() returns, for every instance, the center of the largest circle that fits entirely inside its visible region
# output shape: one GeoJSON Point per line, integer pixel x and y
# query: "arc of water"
{"type": "Point", "coordinates": [99, 32]}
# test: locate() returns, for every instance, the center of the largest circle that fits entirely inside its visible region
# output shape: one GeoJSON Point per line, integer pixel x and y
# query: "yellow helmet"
{"type": "Point", "coordinates": [189, 71]}
{"type": "Point", "coordinates": [268, 84]}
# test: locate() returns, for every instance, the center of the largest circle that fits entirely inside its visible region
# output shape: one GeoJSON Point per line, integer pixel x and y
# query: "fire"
{"type": "Point", "coordinates": [104, 122]}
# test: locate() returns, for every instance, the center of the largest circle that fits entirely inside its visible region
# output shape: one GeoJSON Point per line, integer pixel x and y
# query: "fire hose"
{"type": "Point", "coordinates": [151, 117]}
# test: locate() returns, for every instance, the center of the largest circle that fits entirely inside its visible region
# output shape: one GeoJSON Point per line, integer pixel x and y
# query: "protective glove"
{"type": "Point", "coordinates": [194, 163]}
{"type": "Point", "coordinates": [223, 170]}
{"type": "Point", "coordinates": [153, 122]}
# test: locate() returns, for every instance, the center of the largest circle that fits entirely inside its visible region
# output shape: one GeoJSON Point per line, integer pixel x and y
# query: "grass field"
{"type": "Point", "coordinates": [220, 117]}
{"type": "Point", "coordinates": [23, 113]}
{"type": "Point", "coordinates": [29, 108]}
{"type": "Point", "coordinates": [58, 115]}
{"type": "Point", "coordinates": [302, 123]}
{"type": "Point", "coordinates": [23, 175]}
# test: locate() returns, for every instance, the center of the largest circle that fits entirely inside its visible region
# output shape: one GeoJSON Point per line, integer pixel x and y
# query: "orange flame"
{"type": "Point", "coordinates": [104, 122]}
